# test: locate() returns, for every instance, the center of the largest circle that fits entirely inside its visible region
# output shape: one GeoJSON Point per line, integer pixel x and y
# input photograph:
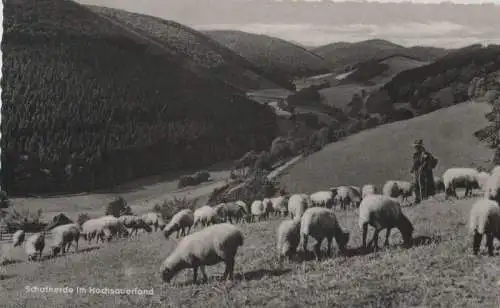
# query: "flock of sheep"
{"type": "Point", "coordinates": [311, 216]}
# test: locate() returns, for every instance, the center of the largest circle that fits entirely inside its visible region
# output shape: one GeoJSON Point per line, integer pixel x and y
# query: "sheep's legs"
{"type": "Point", "coordinates": [374, 241]}
{"type": "Point", "coordinates": [195, 274]}
{"type": "Point", "coordinates": [317, 250]}
{"type": "Point", "coordinates": [387, 234]}
{"type": "Point", "coordinates": [329, 248]}
{"type": "Point", "coordinates": [489, 243]}
{"type": "Point", "coordinates": [365, 231]}
{"type": "Point", "coordinates": [203, 273]}
{"type": "Point", "coordinates": [476, 242]}
{"type": "Point", "coordinates": [228, 273]}
{"type": "Point", "coordinates": [304, 244]}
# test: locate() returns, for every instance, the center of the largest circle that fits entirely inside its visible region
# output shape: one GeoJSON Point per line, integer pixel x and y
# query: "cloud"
{"type": "Point", "coordinates": [441, 34]}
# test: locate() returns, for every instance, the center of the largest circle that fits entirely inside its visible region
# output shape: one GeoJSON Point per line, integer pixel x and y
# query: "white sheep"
{"type": "Point", "coordinates": [495, 170]}
{"type": "Point", "coordinates": [288, 239]}
{"type": "Point", "coordinates": [368, 189]}
{"type": "Point", "coordinates": [103, 227]}
{"type": "Point", "coordinates": [63, 236]}
{"type": "Point", "coordinates": [321, 223]}
{"type": "Point", "coordinates": [347, 195]}
{"type": "Point", "coordinates": [35, 245]}
{"type": "Point", "coordinates": [154, 220]}
{"type": "Point", "coordinates": [135, 223]}
{"type": "Point", "coordinates": [482, 179]}
{"type": "Point", "coordinates": [18, 238]}
{"type": "Point", "coordinates": [297, 205]}
{"type": "Point", "coordinates": [258, 210]}
{"type": "Point", "coordinates": [460, 177]}
{"type": "Point", "coordinates": [280, 205]}
{"type": "Point", "coordinates": [382, 212]}
{"type": "Point", "coordinates": [210, 246]}
{"type": "Point", "coordinates": [181, 222]}
{"type": "Point", "coordinates": [221, 211]}
{"type": "Point", "coordinates": [322, 199]}
{"type": "Point", "coordinates": [484, 220]}
{"type": "Point", "coordinates": [205, 216]}
{"type": "Point", "coordinates": [396, 189]}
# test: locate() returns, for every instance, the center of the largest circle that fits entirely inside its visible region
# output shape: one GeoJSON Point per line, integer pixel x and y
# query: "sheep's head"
{"type": "Point", "coordinates": [343, 240]}
{"type": "Point", "coordinates": [147, 227]}
{"type": "Point", "coordinates": [167, 274]}
{"type": "Point", "coordinates": [55, 251]}
{"type": "Point", "coordinates": [167, 231]}
{"type": "Point", "coordinates": [407, 231]}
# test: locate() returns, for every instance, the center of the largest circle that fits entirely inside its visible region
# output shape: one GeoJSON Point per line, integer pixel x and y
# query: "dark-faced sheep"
{"type": "Point", "coordinates": [210, 246]}
{"type": "Point", "coordinates": [321, 223]}
{"type": "Point", "coordinates": [382, 212]}
{"type": "Point", "coordinates": [484, 220]}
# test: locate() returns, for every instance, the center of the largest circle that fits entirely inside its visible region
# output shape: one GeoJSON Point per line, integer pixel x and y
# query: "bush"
{"type": "Point", "coordinates": [26, 220]}
{"type": "Point", "coordinates": [118, 208]}
{"type": "Point", "coordinates": [170, 207]}
{"type": "Point", "coordinates": [192, 180]}
{"type": "Point", "coordinates": [257, 187]}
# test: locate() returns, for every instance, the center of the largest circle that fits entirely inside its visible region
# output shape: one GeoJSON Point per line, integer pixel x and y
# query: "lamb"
{"type": "Point", "coordinates": [181, 222]}
{"type": "Point", "coordinates": [35, 245]}
{"type": "Point", "coordinates": [368, 189]}
{"type": "Point", "coordinates": [347, 195]}
{"type": "Point", "coordinates": [288, 238]}
{"type": "Point", "coordinates": [18, 238]}
{"type": "Point", "coordinates": [257, 210]}
{"type": "Point", "coordinates": [484, 220]}
{"type": "Point", "coordinates": [135, 223]}
{"type": "Point", "coordinates": [63, 236]}
{"type": "Point", "coordinates": [322, 199]}
{"type": "Point", "coordinates": [210, 246]}
{"type": "Point", "coordinates": [205, 216]}
{"type": "Point", "coordinates": [297, 205]}
{"type": "Point", "coordinates": [321, 223]}
{"type": "Point", "coordinates": [383, 212]}
{"type": "Point", "coordinates": [460, 177]}
{"type": "Point", "coordinates": [154, 220]}
{"type": "Point", "coordinates": [396, 189]}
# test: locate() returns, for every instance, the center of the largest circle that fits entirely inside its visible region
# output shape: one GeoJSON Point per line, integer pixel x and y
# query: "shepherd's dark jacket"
{"type": "Point", "coordinates": [423, 163]}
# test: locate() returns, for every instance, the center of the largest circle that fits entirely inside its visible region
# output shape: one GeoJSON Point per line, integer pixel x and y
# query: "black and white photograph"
{"type": "Point", "coordinates": [250, 153]}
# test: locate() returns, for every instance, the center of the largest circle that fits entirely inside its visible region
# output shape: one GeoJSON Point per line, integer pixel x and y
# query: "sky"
{"type": "Point", "coordinates": [420, 25]}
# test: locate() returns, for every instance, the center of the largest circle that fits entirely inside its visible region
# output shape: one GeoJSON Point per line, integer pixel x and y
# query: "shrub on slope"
{"type": "Point", "coordinates": [384, 153]}
{"type": "Point", "coordinates": [87, 105]}
{"type": "Point", "coordinates": [194, 46]}
{"type": "Point", "coordinates": [272, 54]}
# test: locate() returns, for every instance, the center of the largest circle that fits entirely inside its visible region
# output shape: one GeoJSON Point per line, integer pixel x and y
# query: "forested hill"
{"type": "Point", "coordinates": [87, 104]}
{"type": "Point", "coordinates": [199, 50]}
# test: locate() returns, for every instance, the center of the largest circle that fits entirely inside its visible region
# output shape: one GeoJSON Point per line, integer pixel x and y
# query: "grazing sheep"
{"type": "Point", "coordinates": [460, 177]}
{"type": "Point", "coordinates": [235, 211]}
{"type": "Point", "coordinates": [321, 223]}
{"type": "Point", "coordinates": [205, 215]}
{"type": "Point", "coordinates": [322, 199]}
{"type": "Point", "coordinates": [348, 195]}
{"type": "Point", "coordinates": [154, 220]}
{"type": "Point", "coordinates": [210, 246]}
{"type": "Point", "coordinates": [35, 245]}
{"type": "Point", "coordinates": [63, 236]}
{"type": "Point", "coordinates": [288, 236]}
{"type": "Point", "coordinates": [257, 210]}
{"type": "Point", "coordinates": [280, 205]}
{"type": "Point", "coordinates": [368, 189]}
{"type": "Point", "coordinates": [297, 205]}
{"type": "Point", "coordinates": [221, 211]}
{"type": "Point", "coordinates": [99, 227]}
{"type": "Point", "coordinates": [135, 223]}
{"type": "Point", "coordinates": [181, 222]}
{"type": "Point", "coordinates": [18, 238]}
{"type": "Point", "coordinates": [383, 212]}
{"type": "Point", "coordinates": [396, 189]}
{"type": "Point", "coordinates": [484, 220]}
{"type": "Point", "coordinates": [438, 184]}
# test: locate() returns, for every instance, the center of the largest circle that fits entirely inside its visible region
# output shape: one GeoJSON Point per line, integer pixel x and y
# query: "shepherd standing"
{"type": "Point", "coordinates": [423, 163]}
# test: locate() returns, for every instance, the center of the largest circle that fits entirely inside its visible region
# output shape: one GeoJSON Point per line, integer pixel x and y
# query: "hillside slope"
{"type": "Point", "coordinates": [200, 50]}
{"type": "Point", "coordinates": [272, 54]}
{"type": "Point", "coordinates": [385, 152]}
{"type": "Point", "coordinates": [342, 54]}
{"type": "Point", "coordinates": [87, 104]}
